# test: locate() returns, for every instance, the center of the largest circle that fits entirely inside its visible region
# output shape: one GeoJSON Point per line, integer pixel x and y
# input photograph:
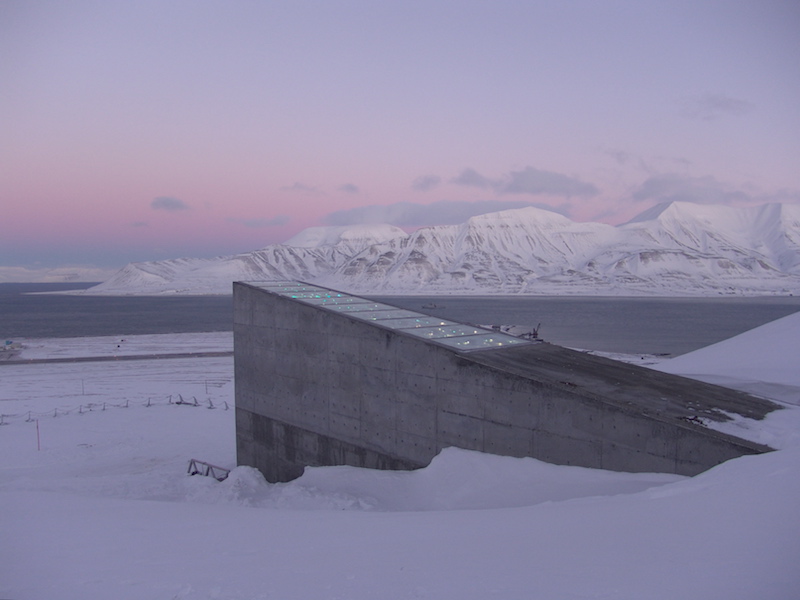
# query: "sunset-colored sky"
{"type": "Point", "coordinates": [135, 131]}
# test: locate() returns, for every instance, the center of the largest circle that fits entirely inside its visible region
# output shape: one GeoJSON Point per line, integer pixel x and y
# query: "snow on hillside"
{"type": "Point", "coordinates": [54, 275]}
{"type": "Point", "coordinates": [105, 509]}
{"type": "Point", "coordinates": [314, 252]}
{"type": "Point", "coordinates": [353, 237]}
{"type": "Point", "coordinates": [746, 243]}
{"type": "Point", "coordinates": [765, 360]}
{"type": "Point", "coordinates": [511, 251]}
{"type": "Point", "coordinates": [673, 249]}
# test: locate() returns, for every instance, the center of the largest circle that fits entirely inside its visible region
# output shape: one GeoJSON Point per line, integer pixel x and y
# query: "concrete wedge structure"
{"type": "Point", "coordinates": [328, 378]}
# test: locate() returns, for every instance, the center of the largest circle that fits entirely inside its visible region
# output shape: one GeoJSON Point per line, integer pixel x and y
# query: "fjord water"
{"type": "Point", "coordinates": [26, 313]}
{"type": "Point", "coordinates": [668, 326]}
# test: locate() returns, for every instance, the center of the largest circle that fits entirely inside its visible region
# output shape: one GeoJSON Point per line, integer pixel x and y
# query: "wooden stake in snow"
{"type": "Point", "coordinates": [38, 440]}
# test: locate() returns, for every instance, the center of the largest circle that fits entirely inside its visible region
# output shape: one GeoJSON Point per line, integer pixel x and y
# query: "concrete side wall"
{"type": "Point", "coordinates": [281, 451]}
{"type": "Point", "coordinates": [319, 388]}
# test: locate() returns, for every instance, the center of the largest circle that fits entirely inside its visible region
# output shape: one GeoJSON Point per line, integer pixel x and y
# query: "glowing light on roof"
{"type": "Point", "coordinates": [454, 335]}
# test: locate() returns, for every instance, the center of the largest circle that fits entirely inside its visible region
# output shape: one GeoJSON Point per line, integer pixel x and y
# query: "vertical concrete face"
{"type": "Point", "coordinates": [316, 387]}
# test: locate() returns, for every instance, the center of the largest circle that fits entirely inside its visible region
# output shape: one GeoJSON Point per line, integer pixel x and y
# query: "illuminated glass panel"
{"type": "Point", "coordinates": [453, 330]}
{"type": "Point", "coordinates": [441, 331]}
{"type": "Point", "coordinates": [292, 288]}
{"type": "Point", "coordinates": [276, 284]}
{"type": "Point", "coordinates": [334, 299]}
{"type": "Point", "coordinates": [358, 307]}
{"type": "Point", "coordinates": [305, 294]}
{"type": "Point", "coordinates": [323, 295]}
{"type": "Point", "coordinates": [383, 315]}
{"type": "Point", "coordinates": [419, 321]}
{"type": "Point", "coordinates": [478, 342]}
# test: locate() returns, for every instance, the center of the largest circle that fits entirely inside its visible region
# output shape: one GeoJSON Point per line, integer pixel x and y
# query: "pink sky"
{"type": "Point", "coordinates": [150, 130]}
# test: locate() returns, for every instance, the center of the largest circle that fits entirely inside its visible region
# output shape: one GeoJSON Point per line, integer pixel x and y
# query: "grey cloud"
{"type": "Point", "coordinates": [410, 214]}
{"type": "Point", "coordinates": [139, 224]}
{"type": "Point", "coordinates": [651, 164]}
{"type": "Point", "coordinates": [529, 180]}
{"type": "Point", "coordinates": [708, 190]}
{"type": "Point", "coordinates": [784, 196]}
{"type": "Point", "coordinates": [681, 161]}
{"type": "Point", "coordinates": [425, 183]}
{"type": "Point", "coordinates": [300, 187]}
{"type": "Point", "coordinates": [620, 156]}
{"type": "Point", "coordinates": [536, 182]}
{"type": "Point", "coordinates": [472, 178]}
{"type": "Point", "coordinates": [709, 107]}
{"type": "Point", "coordinates": [349, 188]}
{"type": "Point", "coordinates": [168, 203]}
{"type": "Point", "coordinates": [261, 222]}
{"type": "Point", "coordinates": [679, 188]}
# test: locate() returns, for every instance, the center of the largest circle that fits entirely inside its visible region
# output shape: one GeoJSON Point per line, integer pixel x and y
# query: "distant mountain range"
{"type": "Point", "coordinates": [672, 249]}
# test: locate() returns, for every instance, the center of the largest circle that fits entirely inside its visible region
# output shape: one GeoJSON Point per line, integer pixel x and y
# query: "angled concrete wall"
{"type": "Point", "coordinates": [315, 387]}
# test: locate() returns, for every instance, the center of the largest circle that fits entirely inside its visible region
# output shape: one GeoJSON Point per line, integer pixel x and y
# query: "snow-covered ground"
{"type": "Point", "coordinates": [95, 502]}
{"type": "Point", "coordinates": [135, 345]}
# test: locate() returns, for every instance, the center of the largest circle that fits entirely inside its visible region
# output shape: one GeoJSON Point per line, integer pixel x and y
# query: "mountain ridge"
{"type": "Point", "coordinates": [676, 249]}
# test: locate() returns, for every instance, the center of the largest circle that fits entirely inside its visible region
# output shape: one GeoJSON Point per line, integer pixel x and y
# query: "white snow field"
{"type": "Point", "coordinates": [96, 503]}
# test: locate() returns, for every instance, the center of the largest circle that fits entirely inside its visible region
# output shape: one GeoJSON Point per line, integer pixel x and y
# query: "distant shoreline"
{"type": "Point", "coordinates": [77, 359]}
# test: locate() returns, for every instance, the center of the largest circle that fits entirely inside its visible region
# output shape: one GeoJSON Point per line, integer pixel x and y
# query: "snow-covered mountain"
{"type": "Point", "coordinates": [671, 249]}
{"type": "Point", "coordinates": [54, 274]}
{"type": "Point", "coordinates": [307, 256]}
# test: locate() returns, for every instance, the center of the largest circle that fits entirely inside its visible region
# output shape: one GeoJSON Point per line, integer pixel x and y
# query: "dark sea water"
{"type": "Point", "coordinates": [629, 325]}
{"type": "Point", "coordinates": [33, 315]}
{"type": "Point", "coordinates": [669, 326]}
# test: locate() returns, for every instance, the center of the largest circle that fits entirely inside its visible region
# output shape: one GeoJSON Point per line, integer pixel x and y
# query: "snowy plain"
{"type": "Point", "coordinates": [96, 503]}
